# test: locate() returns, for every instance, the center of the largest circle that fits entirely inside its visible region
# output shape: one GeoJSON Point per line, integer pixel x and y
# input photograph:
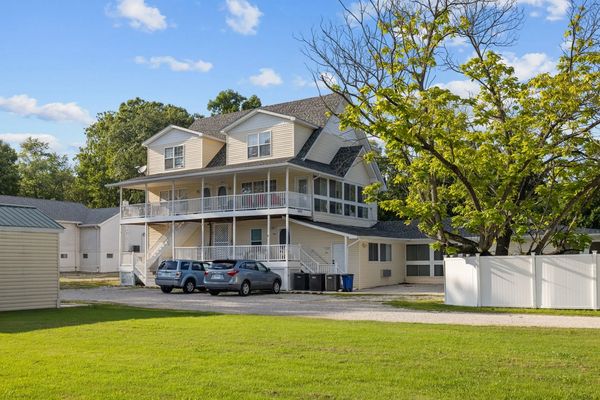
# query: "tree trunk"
{"type": "Point", "coordinates": [503, 242]}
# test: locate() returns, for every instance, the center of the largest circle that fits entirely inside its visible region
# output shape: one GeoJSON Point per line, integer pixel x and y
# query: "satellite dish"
{"type": "Point", "coordinates": [142, 169]}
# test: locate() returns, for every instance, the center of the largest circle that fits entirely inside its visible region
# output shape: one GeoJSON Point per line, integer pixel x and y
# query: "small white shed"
{"type": "Point", "coordinates": [29, 275]}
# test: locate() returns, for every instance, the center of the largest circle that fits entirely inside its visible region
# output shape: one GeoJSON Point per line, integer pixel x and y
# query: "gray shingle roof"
{"type": "Point", "coordinates": [388, 229]}
{"type": "Point", "coordinates": [219, 159]}
{"type": "Point", "coordinates": [17, 216]}
{"type": "Point", "coordinates": [64, 210]}
{"type": "Point", "coordinates": [312, 110]}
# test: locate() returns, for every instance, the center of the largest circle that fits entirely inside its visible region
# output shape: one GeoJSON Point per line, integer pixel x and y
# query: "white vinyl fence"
{"type": "Point", "coordinates": [551, 281]}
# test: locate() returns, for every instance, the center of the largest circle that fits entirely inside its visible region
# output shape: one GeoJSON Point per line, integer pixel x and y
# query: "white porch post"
{"type": "Point", "coordinates": [268, 237]}
{"type": "Point", "coordinates": [287, 213]}
{"type": "Point", "coordinates": [202, 240]}
{"type": "Point", "coordinates": [172, 220]}
{"type": "Point", "coordinates": [234, 207]}
{"type": "Point", "coordinates": [146, 200]}
{"type": "Point", "coordinates": [287, 187]}
{"type": "Point", "coordinates": [268, 188]}
{"type": "Point", "coordinates": [202, 199]}
{"type": "Point", "coordinates": [234, 229]}
{"type": "Point", "coordinates": [120, 217]}
{"type": "Point", "coordinates": [146, 241]}
{"type": "Point", "coordinates": [287, 235]}
{"type": "Point", "coordinates": [346, 253]}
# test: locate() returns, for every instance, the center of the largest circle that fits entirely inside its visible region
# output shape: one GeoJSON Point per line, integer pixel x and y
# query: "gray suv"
{"type": "Point", "coordinates": [185, 274]}
{"type": "Point", "coordinates": [240, 276]}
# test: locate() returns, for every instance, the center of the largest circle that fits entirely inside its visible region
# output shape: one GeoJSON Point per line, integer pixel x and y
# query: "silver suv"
{"type": "Point", "coordinates": [240, 276]}
{"type": "Point", "coordinates": [185, 274]}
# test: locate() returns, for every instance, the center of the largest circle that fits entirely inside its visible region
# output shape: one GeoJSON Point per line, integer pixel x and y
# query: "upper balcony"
{"type": "Point", "coordinates": [220, 206]}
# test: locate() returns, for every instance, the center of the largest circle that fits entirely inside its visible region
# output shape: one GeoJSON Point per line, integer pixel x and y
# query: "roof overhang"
{"type": "Point", "coordinates": [321, 228]}
{"type": "Point", "coordinates": [148, 141]}
{"type": "Point", "coordinates": [273, 114]}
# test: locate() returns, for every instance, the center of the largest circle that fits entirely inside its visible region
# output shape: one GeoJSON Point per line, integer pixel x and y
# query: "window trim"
{"type": "Point", "coordinates": [258, 145]}
{"type": "Point", "coordinates": [174, 157]}
{"type": "Point", "coordinates": [431, 263]}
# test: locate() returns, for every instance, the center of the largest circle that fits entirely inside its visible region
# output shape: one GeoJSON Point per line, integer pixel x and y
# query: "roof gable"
{"type": "Point", "coordinates": [170, 130]}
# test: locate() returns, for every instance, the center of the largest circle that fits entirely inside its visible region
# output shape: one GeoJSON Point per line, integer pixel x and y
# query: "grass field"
{"type": "Point", "coordinates": [438, 305]}
{"type": "Point", "coordinates": [110, 352]}
{"type": "Point", "coordinates": [87, 282]}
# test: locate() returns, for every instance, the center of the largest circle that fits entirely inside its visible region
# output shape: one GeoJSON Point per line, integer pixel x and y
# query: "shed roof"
{"type": "Point", "coordinates": [18, 216]}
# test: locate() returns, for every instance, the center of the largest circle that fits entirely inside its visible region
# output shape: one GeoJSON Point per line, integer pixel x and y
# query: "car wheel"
{"type": "Point", "coordinates": [166, 289]}
{"type": "Point", "coordinates": [213, 292]}
{"type": "Point", "coordinates": [189, 286]}
{"type": "Point", "coordinates": [276, 287]}
{"type": "Point", "coordinates": [245, 288]}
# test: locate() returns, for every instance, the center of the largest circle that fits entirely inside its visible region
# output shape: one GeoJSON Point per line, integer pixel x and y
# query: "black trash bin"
{"type": "Point", "coordinates": [333, 282]}
{"type": "Point", "coordinates": [300, 281]}
{"type": "Point", "coordinates": [317, 282]}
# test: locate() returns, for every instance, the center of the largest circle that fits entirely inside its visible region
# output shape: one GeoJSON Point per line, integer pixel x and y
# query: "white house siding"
{"type": "Point", "coordinates": [371, 272]}
{"type": "Point", "coordinates": [326, 146]}
{"type": "Point", "coordinates": [192, 150]}
{"type": "Point", "coordinates": [69, 247]}
{"type": "Point", "coordinates": [282, 132]}
{"type": "Point", "coordinates": [28, 270]}
{"type": "Point", "coordinates": [90, 249]}
{"type": "Point", "coordinates": [301, 134]}
{"type": "Point", "coordinates": [209, 149]}
{"type": "Point", "coordinates": [131, 235]}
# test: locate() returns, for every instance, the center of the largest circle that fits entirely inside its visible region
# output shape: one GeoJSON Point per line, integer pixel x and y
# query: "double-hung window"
{"type": "Point", "coordinates": [174, 157]}
{"type": "Point", "coordinates": [422, 260]}
{"type": "Point", "coordinates": [259, 144]}
{"type": "Point", "coordinates": [256, 237]}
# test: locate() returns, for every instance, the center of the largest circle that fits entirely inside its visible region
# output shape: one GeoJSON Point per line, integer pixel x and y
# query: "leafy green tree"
{"type": "Point", "coordinates": [228, 101]}
{"type": "Point", "coordinates": [113, 151]}
{"type": "Point", "coordinates": [514, 158]}
{"type": "Point", "coordinates": [44, 174]}
{"type": "Point", "coordinates": [9, 173]}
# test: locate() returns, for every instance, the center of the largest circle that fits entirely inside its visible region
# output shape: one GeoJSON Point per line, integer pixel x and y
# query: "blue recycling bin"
{"type": "Point", "coordinates": [347, 282]}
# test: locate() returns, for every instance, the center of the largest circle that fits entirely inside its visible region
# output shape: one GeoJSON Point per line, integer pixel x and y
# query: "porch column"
{"type": "Point", "coordinates": [121, 202]}
{"type": "Point", "coordinates": [202, 200]}
{"type": "Point", "coordinates": [146, 200]}
{"type": "Point", "coordinates": [120, 217]}
{"type": "Point", "coordinates": [145, 246]}
{"type": "Point", "coordinates": [172, 239]}
{"type": "Point", "coordinates": [268, 188]}
{"type": "Point", "coordinates": [346, 253]}
{"type": "Point", "coordinates": [287, 235]}
{"type": "Point", "coordinates": [234, 190]}
{"type": "Point", "coordinates": [287, 187]}
{"type": "Point", "coordinates": [268, 237]}
{"type": "Point", "coordinates": [287, 213]}
{"type": "Point", "coordinates": [234, 228]}
{"type": "Point", "coordinates": [172, 220]}
{"type": "Point", "coordinates": [202, 240]}
{"type": "Point", "coordinates": [172, 197]}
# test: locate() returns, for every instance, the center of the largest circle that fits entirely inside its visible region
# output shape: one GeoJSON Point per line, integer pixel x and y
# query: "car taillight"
{"type": "Point", "coordinates": [178, 274]}
{"type": "Point", "coordinates": [232, 273]}
{"type": "Point", "coordinates": [205, 273]}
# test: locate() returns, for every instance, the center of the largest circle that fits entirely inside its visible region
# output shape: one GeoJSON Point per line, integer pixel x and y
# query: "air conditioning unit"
{"type": "Point", "coordinates": [134, 248]}
{"type": "Point", "coordinates": [386, 273]}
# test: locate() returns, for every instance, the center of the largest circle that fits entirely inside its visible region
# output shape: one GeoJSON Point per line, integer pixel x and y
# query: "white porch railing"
{"type": "Point", "coordinates": [275, 252]}
{"type": "Point", "coordinates": [216, 204]}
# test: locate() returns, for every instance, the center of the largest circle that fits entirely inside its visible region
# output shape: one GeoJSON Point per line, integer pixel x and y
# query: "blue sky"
{"type": "Point", "coordinates": [64, 61]}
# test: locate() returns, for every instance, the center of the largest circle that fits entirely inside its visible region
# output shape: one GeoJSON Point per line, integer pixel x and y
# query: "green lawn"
{"type": "Point", "coordinates": [438, 305]}
{"type": "Point", "coordinates": [105, 352]}
{"type": "Point", "coordinates": [87, 283]}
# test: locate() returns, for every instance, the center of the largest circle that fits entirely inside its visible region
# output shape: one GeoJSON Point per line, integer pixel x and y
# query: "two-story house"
{"type": "Point", "coordinates": [280, 184]}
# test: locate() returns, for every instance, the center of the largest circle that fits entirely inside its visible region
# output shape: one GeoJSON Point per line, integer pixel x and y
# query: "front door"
{"type": "Point", "coordinates": [302, 185]}
{"type": "Point", "coordinates": [282, 238]}
{"type": "Point", "coordinates": [339, 256]}
{"type": "Point", "coordinates": [221, 238]}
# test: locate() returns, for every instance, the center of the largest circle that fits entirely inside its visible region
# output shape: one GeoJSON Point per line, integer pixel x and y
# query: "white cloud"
{"type": "Point", "coordinates": [462, 88]}
{"type": "Point", "coordinates": [27, 106]}
{"type": "Point", "coordinates": [140, 15]}
{"type": "Point", "coordinates": [15, 139]}
{"type": "Point", "coordinates": [243, 16]}
{"type": "Point", "coordinates": [326, 78]}
{"type": "Point", "coordinates": [174, 64]}
{"type": "Point", "coordinates": [556, 9]}
{"type": "Point", "coordinates": [299, 81]}
{"type": "Point", "coordinates": [529, 64]}
{"type": "Point", "coordinates": [456, 41]}
{"type": "Point", "coordinates": [266, 77]}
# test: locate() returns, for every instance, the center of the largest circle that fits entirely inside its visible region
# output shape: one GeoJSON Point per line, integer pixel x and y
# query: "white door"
{"type": "Point", "coordinates": [339, 257]}
{"type": "Point", "coordinates": [221, 238]}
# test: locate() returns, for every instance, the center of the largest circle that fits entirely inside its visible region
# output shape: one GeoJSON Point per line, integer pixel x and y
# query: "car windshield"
{"type": "Point", "coordinates": [168, 265]}
{"type": "Point", "coordinates": [222, 265]}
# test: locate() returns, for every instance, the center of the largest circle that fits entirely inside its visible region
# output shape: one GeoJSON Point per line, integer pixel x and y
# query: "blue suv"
{"type": "Point", "coordinates": [185, 274]}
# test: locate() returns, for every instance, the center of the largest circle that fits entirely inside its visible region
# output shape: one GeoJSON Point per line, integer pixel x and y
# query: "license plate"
{"type": "Point", "coordinates": [218, 276]}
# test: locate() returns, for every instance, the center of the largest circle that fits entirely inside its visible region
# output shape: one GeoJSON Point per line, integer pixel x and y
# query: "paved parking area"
{"type": "Point", "coordinates": [339, 307]}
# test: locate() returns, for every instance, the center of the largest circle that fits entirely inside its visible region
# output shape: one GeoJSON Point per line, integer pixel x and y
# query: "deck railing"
{"type": "Point", "coordinates": [276, 252]}
{"type": "Point", "coordinates": [218, 204]}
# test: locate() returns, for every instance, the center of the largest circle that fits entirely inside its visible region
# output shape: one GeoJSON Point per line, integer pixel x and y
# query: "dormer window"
{"type": "Point", "coordinates": [259, 144]}
{"type": "Point", "coordinates": [173, 157]}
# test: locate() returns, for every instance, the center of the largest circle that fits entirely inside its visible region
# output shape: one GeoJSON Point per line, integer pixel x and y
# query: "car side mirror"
{"type": "Point", "coordinates": [268, 269]}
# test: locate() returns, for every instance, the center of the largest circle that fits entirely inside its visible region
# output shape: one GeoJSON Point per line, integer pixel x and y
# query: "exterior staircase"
{"type": "Point", "coordinates": [309, 264]}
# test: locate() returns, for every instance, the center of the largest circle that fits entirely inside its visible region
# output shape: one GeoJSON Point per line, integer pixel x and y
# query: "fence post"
{"type": "Point", "coordinates": [595, 281]}
{"type": "Point", "coordinates": [534, 294]}
{"type": "Point", "coordinates": [478, 262]}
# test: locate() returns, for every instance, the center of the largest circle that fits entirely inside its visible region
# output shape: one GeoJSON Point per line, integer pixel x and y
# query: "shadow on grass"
{"type": "Point", "coordinates": [32, 320]}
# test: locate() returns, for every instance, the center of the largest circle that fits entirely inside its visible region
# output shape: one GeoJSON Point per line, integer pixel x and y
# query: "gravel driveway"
{"type": "Point", "coordinates": [354, 308]}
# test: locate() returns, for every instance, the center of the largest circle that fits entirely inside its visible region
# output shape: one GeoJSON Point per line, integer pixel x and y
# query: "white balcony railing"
{"type": "Point", "coordinates": [218, 204]}
{"type": "Point", "coordinates": [275, 252]}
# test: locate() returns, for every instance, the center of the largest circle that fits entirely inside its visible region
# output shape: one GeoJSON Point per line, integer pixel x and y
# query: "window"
{"type": "Point", "coordinates": [363, 212]}
{"type": "Point", "coordinates": [259, 145]}
{"type": "Point", "coordinates": [64, 255]}
{"type": "Point", "coordinates": [335, 207]}
{"type": "Point", "coordinates": [321, 187]}
{"type": "Point", "coordinates": [85, 255]}
{"type": "Point", "coordinates": [350, 210]}
{"type": "Point", "coordinates": [373, 252]}
{"type": "Point", "coordinates": [197, 267]}
{"type": "Point", "coordinates": [168, 265]}
{"type": "Point", "coordinates": [417, 252]}
{"type": "Point", "coordinates": [258, 187]}
{"type": "Point", "coordinates": [335, 189]}
{"type": "Point", "coordinates": [261, 267]}
{"type": "Point", "coordinates": [180, 194]}
{"type": "Point", "coordinates": [320, 205]}
{"type": "Point", "coordinates": [109, 255]}
{"type": "Point", "coordinates": [185, 266]}
{"type": "Point", "coordinates": [303, 185]}
{"type": "Point", "coordinates": [417, 270]}
{"type": "Point", "coordinates": [173, 157]}
{"type": "Point", "coordinates": [246, 187]}
{"type": "Point", "coordinates": [438, 270]}
{"type": "Point", "coordinates": [349, 192]}
{"type": "Point", "coordinates": [206, 192]}
{"type": "Point", "coordinates": [251, 266]}
{"type": "Point", "coordinates": [256, 237]}
{"type": "Point", "coordinates": [359, 194]}
{"type": "Point", "coordinates": [385, 252]}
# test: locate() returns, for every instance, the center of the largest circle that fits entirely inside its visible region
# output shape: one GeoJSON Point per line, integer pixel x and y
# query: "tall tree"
{"type": "Point", "coordinates": [228, 101]}
{"type": "Point", "coordinates": [44, 174]}
{"type": "Point", "coordinates": [9, 173]}
{"type": "Point", "coordinates": [513, 158]}
{"type": "Point", "coordinates": [114, 152]}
